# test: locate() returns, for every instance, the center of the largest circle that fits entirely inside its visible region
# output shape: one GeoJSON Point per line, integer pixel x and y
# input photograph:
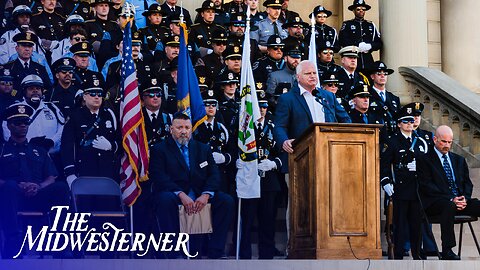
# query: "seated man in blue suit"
{"type": "Point", "coordinates": [184, 172]}
{"type": "Point", "coordinates": [303, 105]}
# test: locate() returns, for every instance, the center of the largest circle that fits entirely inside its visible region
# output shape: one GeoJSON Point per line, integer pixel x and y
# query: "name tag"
{"type": "Point", "coordinates": [203, 164]}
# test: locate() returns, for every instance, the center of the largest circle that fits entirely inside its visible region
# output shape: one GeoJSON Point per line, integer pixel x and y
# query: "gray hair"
{"type": "Point", "coordinates": [301, 65]}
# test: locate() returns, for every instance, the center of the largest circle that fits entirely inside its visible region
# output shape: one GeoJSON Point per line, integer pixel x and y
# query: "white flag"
{"type": "Point", "coordinates": [312, 48]}
{"type": "Point", "coordinates": [248, 180]}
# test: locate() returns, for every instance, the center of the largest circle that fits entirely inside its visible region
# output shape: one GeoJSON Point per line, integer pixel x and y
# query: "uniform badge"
{"type": "Point", "coordinates": [66, 62]}
{"type": "Point", "coordinates": [147, 68]}
{"type": "Point", "coordinates": [201, 80]}
{"type": "Point", "coordinates": [2, 41]}
{"type": "Point", "coordinates": [427, 137]}
{"type": "Point", "coordinates": [210, 93]}
{"type": "Point", "coordinates": [177, 38]}
{"type": "Point", "coordinates": [409, 110]}
{"type": "Point", "coordinates": [284, 90]}
{"type": "Point", "coordinates": [6, 72]}
{"type": "Point", "coordinates": [14, 92]}
{"type": "Point", "coordinates": [167, 128]}
{"type": "Point", "coordinates": [236, 49]}
{"type": "Point", "coordinates": [239, 18]}
{"type": "Point", "coordinates": [381, 65]}
{"type": "Point", "coordinates": [259, 85]}
{"type": "Point", "coordinates": [417, 106]}
{"type": "Point", "coordinates": [421, 149]}
{"type": "Point", "coordinates": [373, 104]}
{"type": "Point", "coordinates": [222, 136]}
{"type": "Point", "coordinates": [385, 146]}
{"type": "Point", "coordinates": [154, 81]}
{"type": "Point", "coordinates": [278, 40]}
{"type": "Point", "coordinates": [94, 34]}
{"type": "Point", "coordinates": [262, 93]}
{"type": "Point", "coordinates": [365, 88]}
{"type": "Point", "coordinates": [84, 45]}
{"type": "Point", "coordinates": [21, 109]}
{"type": "Point", "coordinates": [42, 27]}
{"type": "Point", "coordinates": [85, 10]}
{"type": "Point", "coordinates": [35, 152]}
{"type": "Point", "coordinates": [159, 8]}
{"type": "Point", "coordinates": [200, 36]}
{"type": "Point", "coordinates": [352, 27]}
{"type": "Point", "coordinates": [108, 124]}
{"type": "Point", "coordinates": [328, 43]}
{"type": "Point", "coordinates": [230, 76]}
{"type": "Point", "coordinates": [297, 19]}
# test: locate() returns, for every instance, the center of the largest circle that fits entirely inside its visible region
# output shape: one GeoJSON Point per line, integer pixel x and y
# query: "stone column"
{"type": "Point", "coordinates": [404, 34]}
{"type": "Point", "coordinates": [461, 41]}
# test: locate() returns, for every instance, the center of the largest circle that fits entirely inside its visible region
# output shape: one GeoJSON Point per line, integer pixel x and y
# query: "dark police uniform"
{"type": "Point", "coordinates": [49, 25]}
{"type": "Point", "coordinates": [361, 90]}
{"type": "Point", "coordinates": [214, 62]}
{"type": "Point", "coordinates": [97, 27]}
{"type": "Point", "coordinates": [397, 153]}
{"type": "Point", "coordinates": [266, 65]}
{"type": "Point", "coordinates": [81, 75]}
{"type": "Point", "coordinates": [201, 33]}
{"type": "Point", "coordinates": [79, 7]}
{"type": "Point", "coordinates": [152, 34]}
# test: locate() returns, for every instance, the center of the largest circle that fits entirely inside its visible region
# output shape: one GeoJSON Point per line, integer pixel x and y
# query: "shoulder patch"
{"type": "Point", "coordinates": [2, 41]}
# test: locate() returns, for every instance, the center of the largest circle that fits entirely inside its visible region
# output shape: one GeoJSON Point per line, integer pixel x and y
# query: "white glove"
{"type": "Point", "coordinates": [388, 189]}
{"type": "Point", "coordinates": [364, 47]}
{"type": "Point", "coordinates": [102, 143]}
{"type": "Point", "coordinates": [218, 157]}
{"type": "Point", "coordinates": [267, 165]}
{"type": "Point", "coordinates": [239, 163]}
{"type": "Point", "coordinates": [70, 180]}
{"type": "Point", "coordinates": [412, 166]}
{"type": "Point", "coordinates": [209, 51]}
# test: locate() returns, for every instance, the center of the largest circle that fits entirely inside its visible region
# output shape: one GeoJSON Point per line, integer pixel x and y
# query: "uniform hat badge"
{"type": "Point", "coordinates": [159, 8]}
{"type": "Point", "coordinates": [262, 93]}
{"type": "Point", "coordinates": [417, 106]}
{"type": "Point", "coordinates": [278, 40]}
{"type": "Point", "coordinates": [28, 36]}
{"type": "Point", "coordinates": [84, 45]}
{"type": "Point", "coordinates": [259, 85]}
{"type": "Point", "coordinates": [177, 38]}
{"type": "Point", "coordinates": [6, 72]}
{"type": "Point", "coordinates": [297, 19]}
{"type": "Point", "coordinates": [230, 76]}
{"type": "Point", "coordinates": [236, 49]}
{"type": "Point", "coordinates": [201, 80]}
{"type": "Point", "coordinates": [365, 88]}
{"type": "Point", "coordinates": [96, 82]}
{"type": "Point", "coordinates": [409, 110]}
{"type": "Point", "coordinates": [65, 62]}
{"type": "Point", "coordinates": [154, 81]}
{"type": "Point", "coordinates": [210, 93]}
{"type": "Point", "coordinates": [21, 109]}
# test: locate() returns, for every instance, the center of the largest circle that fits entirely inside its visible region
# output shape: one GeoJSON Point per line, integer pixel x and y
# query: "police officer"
{"type": "Point", "coordinates": [235, 7]}
{"type": "Point", "coordinates": [48, 24]}
{"type": "Point", "coordinates": [417, 108]}
{"type": "Point", "coordinates": [399, 179]}
{"type": "Point", "coordinates": [228, 99]}
{"type": "Point", "coordinates": [72, 26]}
{"type": "Point", "coordinates": [172, 10]}
{"type": "Point", "coordinates": [295, 28]}
{"type": "Point", "coordinates": [324, 34]}
{"type": "Point", "coordinates": [155, 31]}
{"type": "Point", "coordinates": [361, 33]}
{"type": "Point", "coordinates": [222, 17]}
{"type": "Point", "coordinates": [27, 178]}
{"type": "Point", "coordinates": [157, 123]}
{"type": "Point", "coordinates": [384, 104]}
{"type": "Point", "coordinates": [97, 27]}
{"type": "Point", "coordinates": [76, 7]}
{"type": "Point", "coordinates": [325, 62]}
{"type": "Point", "coordinates": [281, 81]}
{"type": "Point", "coordinates": [201, 33]}
{"type": "Point", "coordinates": [360, 97]}
{"type": "Point", "coordinates": [348, 76]}
{"type": "Point", "coordinates": [24, 65]}
{"type": "Point", "coordinates": [64, 94]}
{"type": "Point", "coordinates": [214, 61]}
{"type": "Point", "coordinates": [82, 52]}
{"type": "Point", "coordinates": [232, 56]}
{"type": "Point", "coordinates": [329, 82]}
{"type": "Point", "coordinates": [215, 134]}
{"type": "Point", "coordinates": [91, 137]}
{"type": "Point", "coordinates": [236, 35]}
{"type": "Point", "coordinates": [273, 61]}
{"type": "Point", "coordinates": [8, 95]}
{"type": "Point", "coordinates": [270, 25]}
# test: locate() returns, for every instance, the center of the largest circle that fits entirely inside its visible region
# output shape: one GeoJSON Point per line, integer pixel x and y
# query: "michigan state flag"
{"type": "Point", "coordinates": [248, 180]}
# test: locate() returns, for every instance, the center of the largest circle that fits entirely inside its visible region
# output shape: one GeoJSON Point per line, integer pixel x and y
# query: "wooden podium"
{"type": "Point", "coordinates": [334, 192]}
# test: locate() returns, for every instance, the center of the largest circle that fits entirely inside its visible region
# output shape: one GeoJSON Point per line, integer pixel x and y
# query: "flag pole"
{"type": "Point", "coordinates": [239, 223]}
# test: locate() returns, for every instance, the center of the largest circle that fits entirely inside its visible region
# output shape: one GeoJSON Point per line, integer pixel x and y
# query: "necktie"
{"type": "Point", "coordinates": [275, 28]}
{"type": "Point", "coordinates": [25, 65]}
{"type": "Point", "coordinates": [382, 96]}
{"type": "Point", "coordinates": [449, 173]}
{"type": "Point", "coordinates": [409, 139]}
{"type": "Point", "coordinates": [173, 9]}
{"type": "Point", "coordinates": [365, 119]}
{"type": "Point", "coordinates": [185, 155]}
{"type": "Point", "coordinates": [259, 126]}
{"type": "Point", "coordinates": [209, 126]}
{"type": "Point", "coordinates": [154, 117]}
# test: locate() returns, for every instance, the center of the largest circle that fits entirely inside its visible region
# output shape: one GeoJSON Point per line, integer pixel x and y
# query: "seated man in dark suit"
{"type": "Point", "coordinates": [184, 172]}
{"type": "Point", "coordinates": [446, 188]}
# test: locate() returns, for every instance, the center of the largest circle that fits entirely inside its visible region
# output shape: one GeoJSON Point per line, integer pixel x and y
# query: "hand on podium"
{"type": "Point", "coordinates": [287, 146]}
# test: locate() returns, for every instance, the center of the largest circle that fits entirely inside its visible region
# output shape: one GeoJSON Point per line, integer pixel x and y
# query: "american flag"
{"type": "Point", "coordinates": [134, 140]}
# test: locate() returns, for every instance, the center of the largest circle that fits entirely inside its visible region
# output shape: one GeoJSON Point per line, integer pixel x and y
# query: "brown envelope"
{"type": "Point", "coordinates": [198, 223]}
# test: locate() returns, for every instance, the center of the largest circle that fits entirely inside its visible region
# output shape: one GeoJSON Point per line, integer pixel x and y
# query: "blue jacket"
{"type": "Point", "coordinates": [169, 171]}
{"type": "Point", "coordinates": [293, 117]}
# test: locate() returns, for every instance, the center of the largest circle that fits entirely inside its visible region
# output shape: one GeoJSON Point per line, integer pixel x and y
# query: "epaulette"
{"type": "Point", "coordinates": [36, 14]}
{"type": "Point", "coordinates": [61, 16]}
{"type": "Point", "coordinates": [90, 21]}
{"type": "Point", "coordinates": [194, 25]}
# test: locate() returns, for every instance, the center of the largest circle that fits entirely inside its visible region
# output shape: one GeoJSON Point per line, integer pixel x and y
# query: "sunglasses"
{"type": "Point", "coordinates": [327, 52]}
{"type": "Point", "coordinates": [19, 122]}
{"type": "Point", "coordinates": [322, 16]}
{"type": "Point", "coordinates": [379, 73]}
{"type": "Point", "coordinates": [276, 48]}
{"type": "Point", "coordinates": [6, 83]}
{"type": "Point", "coordinates": [361, 9]}
{"type": "Point", "coordinates": [152, 95]}
{"type": "Point", "coordinates": [210, 104]}
{"type": "Point", "coordinates": [66, 71]}
{"type": "Point", "coordinates": [220, 43]}
{"type": "Point", "coordinates": [405, 121]}
{"type": "Point", "coordinates": [332, 84]}
{"type": "Point", "coordinates": [95, 94]}
{"type": "Point", "coordinates": [78, 39]}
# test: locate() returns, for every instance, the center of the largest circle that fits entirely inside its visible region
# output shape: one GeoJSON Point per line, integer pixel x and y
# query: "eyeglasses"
{"type": "Point", "coordinates": [19, 122]}
{"type": "Point", "coordinates": [152, 95]}
{"type": "Point", "coordinates": [361, 9]}
{"type": "Point", "coordinates": [6, 83]}
{"type": "Point", "coordinates": [332, 84]}
{"type": "Point", "coordinates": [66, 71]}
{"type": "Point", "coordinates": [276, 48]}
{"type": "Point", "coordinates": [210, 104]}
{"type": "Point", "coordinates": [380, 73]}
{"type": "Point", "coordinates": [327, 52]}
{"type": "Point", "coordinates": [78, 39]}
{"type": "Point", "coordinates": [405, 121]}
{"type": "Point", "coordinates": [95, 94]}
{"type": "Point", "coordinates": [322, 16]}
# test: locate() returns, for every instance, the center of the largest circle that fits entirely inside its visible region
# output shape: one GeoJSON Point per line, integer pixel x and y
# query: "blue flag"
{"type": "Point", "coordinates": [189, 99]}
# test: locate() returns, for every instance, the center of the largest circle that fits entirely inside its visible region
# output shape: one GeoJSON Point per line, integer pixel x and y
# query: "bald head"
{"type": "Point", "coordinates": [443, 139]}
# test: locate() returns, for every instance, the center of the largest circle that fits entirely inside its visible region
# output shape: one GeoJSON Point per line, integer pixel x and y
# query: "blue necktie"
{"type": "Point", "coordinates": [185, 155]}
{"type": "Point", "coordinates": [449, 172]}
{"type": "Point", "coordinates": [382, 96]}
{"type": "Point", "coordinates": [365, 119]}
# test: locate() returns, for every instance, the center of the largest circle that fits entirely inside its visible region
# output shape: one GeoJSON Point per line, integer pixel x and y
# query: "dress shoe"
{"type": "Point", "coordinates": [450, 255]}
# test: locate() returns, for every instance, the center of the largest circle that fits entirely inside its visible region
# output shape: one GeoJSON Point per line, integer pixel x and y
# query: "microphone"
{"type": "Point", "coordinates": [320, 99]}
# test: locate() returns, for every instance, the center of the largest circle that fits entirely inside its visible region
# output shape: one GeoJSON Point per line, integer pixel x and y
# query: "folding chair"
{"type": "Point", "coordinates": [102, 189]}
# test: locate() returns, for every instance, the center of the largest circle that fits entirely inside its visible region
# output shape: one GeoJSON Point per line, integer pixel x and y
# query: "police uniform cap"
{"type": "Point", "coordinates": [93, 83]}
{"type": "Point", "coordinates": [295, 21]}
{"type": "Point", "coordinates": [75, 19]}
{"type": "Point", "coordinates": [324, 44]}
{"type": "Point", "coordinates": [21, 9]}
{"type": "Point", "coordinates": [206, 5]}
{"type": "Point", "coordinates": [17, 110]}
{"type": "Point", "coordinates": [96, 2]}
{"type": "Point", "coordinates": [379, 66]}
{"type": "Point", "coordinates": [173, 41]}
{"type": "Point", "coordinates": [25, 38]}
{"type": "Point", "coordinates": [273, 3]}
{"type": "Point", "coordinates": [209, 97]}
{"type": "Point", "coordinates": [152, 9]}
{"type": "Point", "coordinates": [262, 99]}
{"type": "Point", "coordinates": [173, 65]}
{"type": "Point", "coordinates": [175, 18]}
{"type": "Point", "coordinates": [417, 108]}
{"type": "Point", "coordinates": [320, 9]}
{"type": "Point", "coordinates": [329, 77]}
{"type": "Point", "coordinates": [82, 49]}
{"type": "Point", "coordinates": [406, 112]}
{"type": "Point", "coordinates": [31, 80]}
{"type": "Point", "coordinates": [232, 51]}
{"type": "Point", "coordinates": [238, 20]}
{"type": "Point", "coordinates": [227, 78]}
{"type": "Point", "coordinates": [275, 41]}
{"type": "Point", "coordinates": [219, 35]}
{"type": "Point", "coordinates": [64, 64]}
{"type": "Point", "coordinates": [204, 80]}
{"type": "Point", "coordinates": [136, 41]}
{"type": "Point", "coordinates": [6, 75]}
{"type": "Point", "coordinates": [151, 85]}
{"type": "Point", "coordinates": [350, 51]}
{"type": "Point", "coordinates": [293, 51]}
{"type": "Point", "coordinates": [360, 90]}
{"type": "Point", "coordinates": [359, 3]}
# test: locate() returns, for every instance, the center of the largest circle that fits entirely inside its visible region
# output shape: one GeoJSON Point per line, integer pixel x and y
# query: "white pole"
{"type": "Point", "coordinates": [239, 223]}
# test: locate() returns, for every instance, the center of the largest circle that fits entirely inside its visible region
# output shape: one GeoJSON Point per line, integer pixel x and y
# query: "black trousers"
{"type": "Point", "coordinates": [410, 211]}
{"type": "Point", "coordinates": [447, 210]}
